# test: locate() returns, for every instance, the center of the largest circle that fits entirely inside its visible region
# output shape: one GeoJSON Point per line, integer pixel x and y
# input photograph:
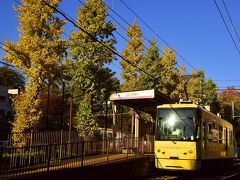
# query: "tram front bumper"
{"type": "Point", "coordinates": [178, 164]}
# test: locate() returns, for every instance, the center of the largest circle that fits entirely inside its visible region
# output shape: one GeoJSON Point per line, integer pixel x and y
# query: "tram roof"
{"type": "Point", "coordinates": [145, 100]}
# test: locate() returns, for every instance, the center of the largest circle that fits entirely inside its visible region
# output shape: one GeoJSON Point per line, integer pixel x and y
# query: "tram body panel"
{"type": "Point", "coordinates": [187, 134]}
{"type": "Point", "coordinates": [176, 155]}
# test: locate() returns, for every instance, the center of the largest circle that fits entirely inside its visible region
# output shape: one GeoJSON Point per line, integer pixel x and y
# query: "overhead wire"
{"type": "Point", "coordinates": [231, 20]}
{"type": "Point", "coordinates": [96, 40]}
{"type": "Point", "coordinates": [111, 63]}
{"type": "Point", "coordinates": [115, 52]}
{"type": "Point", "coordinates": [72, 21]}
{"type": "Point", "coordinates": [114, 20]}
{"type": "Point", "coordinates": [7, 52]}
{"type": "Point", "coordinates": [161, 38]}
{"type": "Point", "coordinates": [63, 33]}
{"type": "Point", "coordinates": [126, 30]}
{"type": "Point", "coordinates": [226, 26]}
{"type": "Point", "coordinates": [227, 80]}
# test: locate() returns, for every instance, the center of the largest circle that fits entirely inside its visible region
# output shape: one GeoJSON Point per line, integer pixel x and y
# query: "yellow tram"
{"type": "Point", "coordinates": [187, 136]}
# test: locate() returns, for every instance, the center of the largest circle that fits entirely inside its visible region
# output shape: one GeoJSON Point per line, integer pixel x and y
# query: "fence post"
{"type": "Point", "coordinates": [49, 157]}
{"type": "Point", "coordinates": [82, 153]}
{"type": "Point", "coordinates": [61, 142]}
{"type": "Point", "coordinates": [127, 147]}
{"type": "Point", "coordinates": [30, 147]}
{"type": "Point", "coordinates": [108, 142]}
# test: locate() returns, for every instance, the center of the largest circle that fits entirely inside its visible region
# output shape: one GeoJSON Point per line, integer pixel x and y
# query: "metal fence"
{"type": "Point", "coordinates": [24, 161]}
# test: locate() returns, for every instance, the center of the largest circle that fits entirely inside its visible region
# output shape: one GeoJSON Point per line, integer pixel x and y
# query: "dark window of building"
{"type": "Point", "coordinates": [2, 98]}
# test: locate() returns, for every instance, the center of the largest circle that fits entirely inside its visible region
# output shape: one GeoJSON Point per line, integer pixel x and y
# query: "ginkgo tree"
{"type": "Point", "coordinates": [151, 64]}
{"type": "Point", "coordinates": [169, 78]}
{"type": "Point", "coordinates": [132, 57]}
{"type": "Point", "coordinates": [38, 54]}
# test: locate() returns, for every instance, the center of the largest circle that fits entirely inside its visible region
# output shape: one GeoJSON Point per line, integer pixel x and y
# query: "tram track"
{"type": "Point", "coordinates": [229, 172]}
{"type": "Point", "coordinates": [235, 175]}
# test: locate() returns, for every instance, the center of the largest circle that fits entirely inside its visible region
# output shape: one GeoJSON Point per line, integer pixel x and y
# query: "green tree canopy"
{"type": "Point", "coordinates": [92, 17]}
{"type": "Point", "coordinates": [151, 64]}
{"type": "Point", "coordinates": [210, 95]}
{"type": "Point", "coordinates": [85, 122]}
{"type": "Point", "coordinates": [87, 69]}
{"type": "Point", "coordinates": [89, 56]}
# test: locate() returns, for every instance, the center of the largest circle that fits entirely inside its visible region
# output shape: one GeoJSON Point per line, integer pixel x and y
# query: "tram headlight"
{"type": "Point", "coordinates": [190, 151]}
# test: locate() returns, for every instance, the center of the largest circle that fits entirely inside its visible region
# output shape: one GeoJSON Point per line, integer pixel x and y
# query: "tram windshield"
{"type": "Point", "coordinates": [176, 124]}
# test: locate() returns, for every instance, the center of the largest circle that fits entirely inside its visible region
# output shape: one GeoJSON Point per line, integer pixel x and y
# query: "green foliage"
{"type": "Point", "coordinates": [92, 18]}
{"type": "Point", "coordinates": [89, 75]}
{"type": "Point", "coordinates": [85, 122]}
{"type": "Point", "coordinates": [106, 84]}
{"type": "Point", "coordinates": [87, 70]}
{"type": "Point", "coordinates": [133, 53]}
{"type": "Point", "coordinates": [11, 78]}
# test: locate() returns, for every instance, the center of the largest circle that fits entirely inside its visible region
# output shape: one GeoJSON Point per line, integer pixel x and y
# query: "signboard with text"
{"type": "Point", "coordinates": [146, 94]}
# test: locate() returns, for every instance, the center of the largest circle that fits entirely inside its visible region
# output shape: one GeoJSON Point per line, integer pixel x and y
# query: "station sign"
{"type": "Point", "coordinates": [145, 94]}
{"type": "Point", "coordinates": [12, 91]}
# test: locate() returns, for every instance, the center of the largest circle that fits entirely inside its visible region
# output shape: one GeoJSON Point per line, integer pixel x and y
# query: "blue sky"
{"type": "Point", "coordinates": [193, 28]}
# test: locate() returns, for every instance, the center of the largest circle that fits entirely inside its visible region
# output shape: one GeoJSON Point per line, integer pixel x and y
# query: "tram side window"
{"type": "Point", "coordinates": [210, 134]}
{"type": "Point", "coordinates": [220, 134]}
{"type": "Point", "coordinates": [214, 132]}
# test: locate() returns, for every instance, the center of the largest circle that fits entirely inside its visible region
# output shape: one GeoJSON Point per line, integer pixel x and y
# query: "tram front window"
{"type": "Point", "coordinates": [175, 124]}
